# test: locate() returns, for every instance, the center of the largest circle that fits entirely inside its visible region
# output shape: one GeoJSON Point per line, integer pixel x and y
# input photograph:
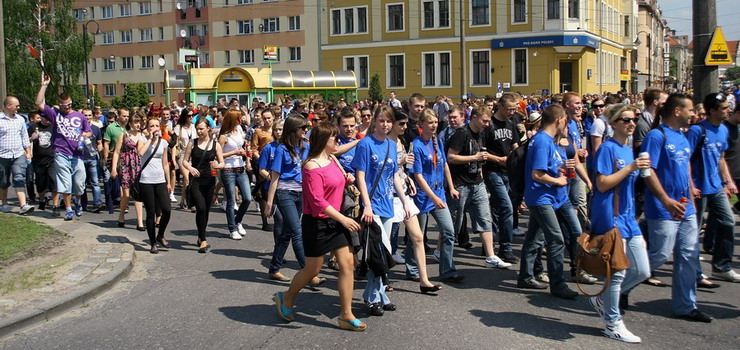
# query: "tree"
{"type": "Point", "coordinates": [733, 73]}
{"type": "Point", "coordinates": [50, 28]}
{"type": "Point", "coordinates": [134, 95]}
{"type": "Point", "coordinates": [375, 92]}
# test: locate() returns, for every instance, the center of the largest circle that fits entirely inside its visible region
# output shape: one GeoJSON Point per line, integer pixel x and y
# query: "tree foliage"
{"type": "Point", "coordinates": [134, 95]}
{"type": "Point", "coordinates": [733, 73]}
{"type": "Point", "coordinates": [50, 28]}
{"type": "Point", "coordinates": [374, 91]}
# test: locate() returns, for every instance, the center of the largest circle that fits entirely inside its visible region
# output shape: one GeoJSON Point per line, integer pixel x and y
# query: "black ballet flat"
{"type": "Point", "coordinates": [164, 243]}
{"type": "Point", "coordinates": [121, 224]}
{"type": "Point", "coordinates": [432, 289]}
{"type": "Point", "coordinates": [141, 228]}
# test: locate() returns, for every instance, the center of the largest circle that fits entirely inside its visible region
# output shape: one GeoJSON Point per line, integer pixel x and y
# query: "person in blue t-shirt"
{"type": "Point", "coordinates": [267, 157]}
{"type": "Point", "coordinates": [709, 140]}
{"type": "Point", "coordinates": [347, 140]}
{"type": "Point", "coordinates": [613, 206]}
{"type": "Point", "coordinates": [375, 160]}
{"type": "Point", "coordinates": [669, 207]}
{"type": "Point", "coordinates": [546, 195]}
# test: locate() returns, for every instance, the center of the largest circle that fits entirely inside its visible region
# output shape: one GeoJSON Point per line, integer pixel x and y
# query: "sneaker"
{"type": "Point", "coordinates": [436, 255]}
{"type": "Point", "coordinates": [42, 204]}
{"type": "Point", "coordinates": [236, 236]}
{"type": "Point", "coordinates": [542, 277]}
{"type": "Point", "coordinates": [172, 198]}
{"type": "Point", "coordinates": [78, 209]}
{"type": "Point", "coordinates": [55, 211]}
{"type": "Point", "coordinates": [398, 258]}
{"type": "Point", "coordinates": [495, 261]}
{"type": "Point", "coordinates": [598, 305]}
{"type": "Point", "coordinates": [98, 208]}
{"type": "Point", "coordinates": [69, 216]}
{"type": "Point", "coordinates": [241, 229]}
{"type": "Point", "coordinates": [518, 232]}
{"type": "Point", "coordinates": [26, 209]}
{"type": "Point", "coordinates": [509, 257]}
{"type": "Point", "coordinates": [730, 276]}
{"type": "Point", "coordinates": [6, 209]}
{"type": "Point", "coordinates": [618, 331]}
{"type": "Point", "coordinates": [584, 278]}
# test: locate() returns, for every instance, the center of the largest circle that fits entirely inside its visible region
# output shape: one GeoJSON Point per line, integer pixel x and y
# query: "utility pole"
{"type": "Point", "coordinates": [3, 76]}
{"type": "Point", "coordinates": [463, 81]}
{"type": "Point", "coordinates": [705, 78]}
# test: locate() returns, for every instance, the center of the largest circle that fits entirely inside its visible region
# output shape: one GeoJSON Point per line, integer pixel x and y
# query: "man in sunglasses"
{"type": "Point", "coordinates": [71, 131]}
{"type": "Point", "coordinates": [15, 153]}
{"type": "Point", "coordinates": [600, 131]}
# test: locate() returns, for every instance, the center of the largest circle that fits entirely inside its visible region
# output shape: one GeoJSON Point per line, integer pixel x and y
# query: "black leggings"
{"type": "Point", "coordinates": [155, 196]}
{"type": "Point", "coordinates": [201, 195]}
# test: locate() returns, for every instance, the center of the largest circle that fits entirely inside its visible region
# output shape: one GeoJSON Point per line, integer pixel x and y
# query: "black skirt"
{"type": "Point", "coordinates": [321, 236]}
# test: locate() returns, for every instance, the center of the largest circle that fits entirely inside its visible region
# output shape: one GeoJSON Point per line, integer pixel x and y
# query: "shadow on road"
{"type": "Point", "coordinates": [538, 326]}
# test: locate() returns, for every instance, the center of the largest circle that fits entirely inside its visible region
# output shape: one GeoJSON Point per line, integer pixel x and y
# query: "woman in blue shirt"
{"type": "Point", "coordinates": [267, 157]}
{"type": "Point", "coordinates": [616, 171]}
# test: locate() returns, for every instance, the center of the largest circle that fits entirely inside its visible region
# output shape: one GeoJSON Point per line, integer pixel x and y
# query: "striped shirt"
{"type": "Point", "coordinates": [13, 136]}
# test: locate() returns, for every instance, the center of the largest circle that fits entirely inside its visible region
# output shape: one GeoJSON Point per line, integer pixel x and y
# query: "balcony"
{"type": "Point", "coordinates": [195, 42]}
{"type": "Point", "coordinates": [191, 14]}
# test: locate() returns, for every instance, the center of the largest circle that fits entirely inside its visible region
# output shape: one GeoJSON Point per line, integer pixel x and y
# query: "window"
{"type": "Point", "coordinates": [436, 14]}
{"type": "Point", "coordinates": [79, 14]}
{"type": "Point", "coordinates": [147, 62]}
{"type": "Point", "coordinates": [350, 20]}
{"type": "Point", "coordinates": [161, 33]}
{"type": "Point", "coordinates": [396, 71]}
{"type": "Point", "coordinates": [295, 53]}
{"type": "Point", "coordinates": [205, 58]}
{"type": "Point", "coordinates": [227, 28]}
{"type": "Point", "coordinates": [294, 23]}
{"type": "Point", "coordinates": [109, 64]}
{"type": "Point", "coordinates": [126, 36]}
{"type": "Point", "coordinates": [93, 64]}
{"type": "Point", "coordinates": [271, 25]}
{"type": "Point", "coordinates": [150, 88]}
{"type": "Point", "coordinates": [110, 89]}
{"type": "Point", "coordinates": [246, 56]}
{"type": "Point", "coordinates": [243, 2]}
{"type": "Point", "coordinates": [574, 10]}
{"type": "Point", "coordinates": [245, 27]}
{"type": "Point", "coordinates": [125, 10]}
{"type": "Point", "coordinates": [553, 9]}
{"type": "Point", "coordinates": [520, 11]}
{"type": "Point", "coordinates": [146, 34]}
{"type": "Point", "coordinates": [358, 64]}
{"type": "Point", "coordinates": [481, 68]}
{"type": "Point", "coordinates": [92, 12]}
{"type": "Point", "coordinates": [436, 69]}
{"type": "Point", "coordinates": [145, 7]}
{"type": "Point", "coordinates": [127, 63]}
{"type": "Point", "coordinates": [336, 21]}
{"type": "Point", "coordinates": [395, 17]}
{"type": "Point", "coordinates": [362, 20]}
{"type": "Point", "coordinates": [107, 12]}
{"type": "Point", "coordinates": [627, 26]}
{"type": "Point", "coordinates": [480, 12]}
{"type": "Point", "coordinates": [227, 58]}
{"type": "Point", "coordinates": [520, 66]}
{"type": "Point", "coordinates": [108, 38]}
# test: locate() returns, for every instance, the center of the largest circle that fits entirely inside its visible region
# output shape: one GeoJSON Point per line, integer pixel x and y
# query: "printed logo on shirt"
{"type": "Point", "coordinates": [679, 156]}
{"type": "Point", "coordinates": [69, 127]}
{"type": "Point", "coordinates": [44, 139]}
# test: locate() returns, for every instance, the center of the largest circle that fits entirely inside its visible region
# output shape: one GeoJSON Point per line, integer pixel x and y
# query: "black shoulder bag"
{"type": "Point", "coordinates": [134, 189]}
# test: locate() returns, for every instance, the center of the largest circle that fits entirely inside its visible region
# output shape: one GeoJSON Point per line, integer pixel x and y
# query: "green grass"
{"type": "Point", "coordinates": [28, 279]}
{"type": "Point", "coordinates": [19, 234]}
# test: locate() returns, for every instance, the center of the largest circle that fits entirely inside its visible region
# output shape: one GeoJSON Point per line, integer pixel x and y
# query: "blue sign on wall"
{"type": "Point", "coordinates": [557, 40]}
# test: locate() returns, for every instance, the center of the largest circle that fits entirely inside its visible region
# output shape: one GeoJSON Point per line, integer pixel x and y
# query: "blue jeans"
{"type": "Point", "coordinates": [447, 243]}
{"type": "Point", "coordinates": [625, 280]}
{"type": "Point", "coordinates": [375, 288]}
{"type": "Point", "coordinates": [544, 226]}
{"type": "Point", "coordinates": [91, 168]}
{"type": "Point", "coordinates": [474, 201]}
{"type": "Point", "coordinates": [577, 196]}
{"type": "Point", "coordinates": [112, 190]}
{"type": "Point", "coordinates": [394, 237]}
{"type": "Point", "coordinates": [290, 204]}
{"type": "Point", "coordinates": [277, 223]}
{"type": "Point", "coordinates": [679, 237]}
{"type": "Point", "coordinates": [502, 211]}
{"type": "Point", "coordinates": [231, 180]}
{"type": "Point", "coordinates": [719, 237]}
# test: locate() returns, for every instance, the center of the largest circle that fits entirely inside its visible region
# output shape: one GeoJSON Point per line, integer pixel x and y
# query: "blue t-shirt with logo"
{"type": "Point", "coordinates": [543, 154]}
{"type": "Point", "coordinates": [574, 134]}
{"type": "Point", "coordinates": [346, 158]}
{"type": "Point", "coordinates": [705, 168]}
{"type": "Point", "coordinates": [610, 158]}
{"type": "Point", "coordinates": [433, 174]}
{"type": "Point", "coordinates": [369, 157]}
{"type": "Point", "coordinates": [669, 156]}
{"type": "Point", "coordinates": [288, 166]}
{"type": "Point", "coordinates": [267, 157]}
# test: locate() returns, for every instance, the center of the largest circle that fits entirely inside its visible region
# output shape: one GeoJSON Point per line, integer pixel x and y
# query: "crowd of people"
{"type": "Point", "coordinates": [649, 164]}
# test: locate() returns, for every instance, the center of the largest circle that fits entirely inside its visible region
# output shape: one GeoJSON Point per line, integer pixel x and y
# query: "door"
{"type": "Point", "coordinates": [566, 76]}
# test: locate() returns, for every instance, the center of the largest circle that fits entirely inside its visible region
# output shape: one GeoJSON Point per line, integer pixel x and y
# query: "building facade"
{"type": "Point", "coordinates": [680, 62]}
{"type": "Point", "coordinates": [481, 47]}
{"type": "Point", "coordinates": [651, 64]}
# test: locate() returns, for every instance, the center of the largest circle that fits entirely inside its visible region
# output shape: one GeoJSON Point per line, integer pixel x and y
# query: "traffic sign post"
{"type": "Point", "coordinates": [718, 54]}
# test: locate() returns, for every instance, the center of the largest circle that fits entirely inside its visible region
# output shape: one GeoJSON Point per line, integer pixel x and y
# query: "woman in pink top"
{"type": "Point", "coordinates": [325, 229]}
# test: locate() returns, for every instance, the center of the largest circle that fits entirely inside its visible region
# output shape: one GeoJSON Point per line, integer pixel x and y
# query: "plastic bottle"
{"type": "Point", "coordinates": [410, 166]}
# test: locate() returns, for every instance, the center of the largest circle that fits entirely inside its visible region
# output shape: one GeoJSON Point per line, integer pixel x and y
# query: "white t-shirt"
{"type": "Point", "coordinates": [154, 172]}
{"type": "Point", "coordinates": [234, 140]}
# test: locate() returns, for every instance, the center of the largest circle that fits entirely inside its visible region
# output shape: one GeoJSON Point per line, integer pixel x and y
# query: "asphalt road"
{"type": "Point", "coordinates": [180, 299]}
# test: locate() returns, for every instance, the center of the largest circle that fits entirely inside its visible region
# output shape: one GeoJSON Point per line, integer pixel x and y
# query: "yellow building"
{"type": "Point", "coordinates": [529, 46]}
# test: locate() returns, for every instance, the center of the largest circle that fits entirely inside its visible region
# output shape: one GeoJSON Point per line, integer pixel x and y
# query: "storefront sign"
{"type": "Point", "coordinates": [270, 53]}
{"type": "Point", "coordinates": [558, 40]}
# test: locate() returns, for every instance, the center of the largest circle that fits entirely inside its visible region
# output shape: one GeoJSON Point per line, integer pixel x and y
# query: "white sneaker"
{"type": "Point", "coordinates": [26, 209]}
{"type": "Point", "coordinates": [542, 277]}
{"type": "Point", "coordinates": [495, 261]}
{"type": "Point", "coordinates": [398, 258]}
{"type": "Point", "coordinates": [435, 254]}
{"type": "Point", "coordinates": [518, 232]}
{"type": "Point", "coordinates": [172, 198]}
{"type": "Point", "coordinates": [598, 305]}
{"type": "Point", "coordinates": [730, 276]}
{"type": "Point", "coordinates": [236, 236]}
{"type": "Point", "coordinates": [241, 229]}
{"type": "Point", "coordinates": [618, 331]}
{"type": "Point", "coordinates": [5, 209]}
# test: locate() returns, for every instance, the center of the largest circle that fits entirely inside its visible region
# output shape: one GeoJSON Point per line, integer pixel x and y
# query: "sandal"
{"type": "Point", "coordinates": [706, 284]}
{"type": "Point", "coordinates": [284, 313]}
{"type": "Point", "coordinates": [317, 281]}
{"type": "Point", "coordinates": [655, 282]}
{"type": "Point", "coordinates": [355, 325]}
{"type": "Point", "coordinates": [333, 264]}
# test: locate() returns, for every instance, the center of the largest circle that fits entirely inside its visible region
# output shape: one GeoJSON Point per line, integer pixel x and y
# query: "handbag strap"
{"type": "Point", "coordinates": [200, 162]}
{"type": "Point", "coordinates": [607, 280]}
{"type": "Point", "coordinates": [150, 156]}
{"type": "Point", "coordinates": [380, 173]}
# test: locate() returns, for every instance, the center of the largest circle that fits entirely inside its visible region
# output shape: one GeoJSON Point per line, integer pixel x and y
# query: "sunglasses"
{"type": "Point", "coordinates": [598, 106]}
{"type": "Point", "coordinates": [402, 123]}
{"type": "Point", "coordinates": [628, 120]}
{"type": "Point", "coordinates": [62, 105]}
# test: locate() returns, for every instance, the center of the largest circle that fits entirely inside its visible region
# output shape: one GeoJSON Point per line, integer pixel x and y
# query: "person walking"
{"type": "Point", "coordinates": [154, 185]}
{"type": "Point", "coordinates": [126, 162]}
{"type": "Point", "coordinates": [15, 154]}
{"type": "Point", "coordinates": [234, 173]}
{"type": "Point", "coordinates": [185, 132]}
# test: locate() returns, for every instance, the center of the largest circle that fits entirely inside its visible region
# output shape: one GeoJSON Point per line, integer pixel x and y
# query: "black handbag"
{"type": "Point", "coordinates": [135, 189]}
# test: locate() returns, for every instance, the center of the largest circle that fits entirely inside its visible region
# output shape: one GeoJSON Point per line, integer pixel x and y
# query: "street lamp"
{"type": "Point", "coordinates": [650, 62]}
{"type": "Point", "coordinates": [90, 101]}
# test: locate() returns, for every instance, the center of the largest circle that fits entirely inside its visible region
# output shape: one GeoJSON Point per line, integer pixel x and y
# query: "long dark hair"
{"type": "Point", "coordinates": [320, 137]}
{"type": "Point", "coordinates": [291, 139]}
{"type": "Point", "coordinates": [183, 120]}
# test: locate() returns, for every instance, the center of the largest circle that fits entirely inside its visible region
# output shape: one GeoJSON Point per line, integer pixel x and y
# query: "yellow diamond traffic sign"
{"type": "Point", "coordinates": [718, 53]}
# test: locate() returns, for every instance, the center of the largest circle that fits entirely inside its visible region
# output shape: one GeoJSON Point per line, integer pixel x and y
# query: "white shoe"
{"type": "Point", "coordinates": [518, 232]}
{"type": "Point", "coordinates": [618, 331]}
{"type": "Point", "coordinates": [241, 229]}
{"type": "Point", "coordinates": [26, 209]}
{"type": "Point", "coordinates": [5, 209]}
{"type": "Point", "coordinates": [236, 236]}
{"type": "Point", "coordinates": [435, 254]}
{"type": "Point", "coordinates": [398, 258]}
{"type": "Point", "coordinates": [542, 278]}
{"type": "Point", "coordinates": [598, 305]}
{"type": "Point", "coordinates": [172, 198]}
{"type": "Point", "coordinates": [730, 276]}
{"type": "Point", "coordinates": [495, 261]}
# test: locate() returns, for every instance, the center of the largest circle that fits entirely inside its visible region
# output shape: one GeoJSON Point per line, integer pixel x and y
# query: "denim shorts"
{"type": "Point", "coordinates": [13, 171]}
{"type": "Point", "coordinates": [70, 176]}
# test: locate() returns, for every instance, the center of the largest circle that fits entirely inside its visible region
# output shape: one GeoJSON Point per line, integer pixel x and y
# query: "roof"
{"type": "Point", "coordinates": [732, 47]}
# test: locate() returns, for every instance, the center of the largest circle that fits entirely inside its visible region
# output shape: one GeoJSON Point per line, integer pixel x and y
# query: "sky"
{"type": "Point", "coordinates": [678, 13]}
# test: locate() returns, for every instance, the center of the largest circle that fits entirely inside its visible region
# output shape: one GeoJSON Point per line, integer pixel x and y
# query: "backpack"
{"type": "Point", "coordinates": [515, 165]}
{"type": "Point", "coordinates": [696, 156]}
